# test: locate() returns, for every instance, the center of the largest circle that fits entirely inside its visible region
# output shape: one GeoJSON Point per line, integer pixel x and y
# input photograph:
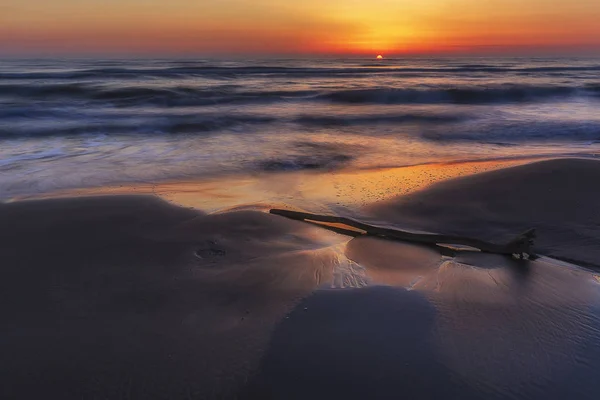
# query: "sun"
{"type": "Point", "coordinates": [380, 57]}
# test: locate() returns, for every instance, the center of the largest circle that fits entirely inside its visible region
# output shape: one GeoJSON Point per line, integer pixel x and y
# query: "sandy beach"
{"type": "Point", "coordinates": [188, 289]}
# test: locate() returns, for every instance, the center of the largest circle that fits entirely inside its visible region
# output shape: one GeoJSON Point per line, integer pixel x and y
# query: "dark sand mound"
{"type": "Point", "coordinates": [474, 326]}
{"type": "Point", "coordinates": [130, 297]}
{"type": "Point", "coordinates": [560, 198]}
{"type": "Point", "coordinates": [500, 332]}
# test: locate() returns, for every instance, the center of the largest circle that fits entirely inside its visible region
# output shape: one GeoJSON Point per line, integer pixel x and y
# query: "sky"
{"type": "Point", "coordinates": [299, 27]}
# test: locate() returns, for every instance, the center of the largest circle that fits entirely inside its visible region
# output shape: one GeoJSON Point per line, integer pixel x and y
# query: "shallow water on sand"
{"type": "Point", "coordinates": [343, 192]}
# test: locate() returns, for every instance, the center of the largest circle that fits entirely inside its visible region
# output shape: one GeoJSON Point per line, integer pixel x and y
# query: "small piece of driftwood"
{"type": "Point", "coordinates": [521, 246]}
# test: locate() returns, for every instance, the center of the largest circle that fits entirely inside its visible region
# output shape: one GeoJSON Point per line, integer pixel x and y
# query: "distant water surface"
{"type": "Point", "coordinates": [74, 123]}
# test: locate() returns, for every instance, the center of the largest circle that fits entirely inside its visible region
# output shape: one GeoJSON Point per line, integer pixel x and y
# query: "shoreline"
{"type": "Point", "coordinates": [346, 188]}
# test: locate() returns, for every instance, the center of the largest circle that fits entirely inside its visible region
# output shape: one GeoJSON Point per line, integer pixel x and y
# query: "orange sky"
{"type": "Point", "coordinates": [265, 27]}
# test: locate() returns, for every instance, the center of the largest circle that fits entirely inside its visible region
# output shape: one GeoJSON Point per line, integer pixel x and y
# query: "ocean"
{"type": "Point", "coordinates": [83, 123]}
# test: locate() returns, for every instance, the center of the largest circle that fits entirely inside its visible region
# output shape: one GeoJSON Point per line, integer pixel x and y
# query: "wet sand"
{"type": "Point", "coordinates": [558, 197]}
{"type": "Point", "coordinates": [128, 296]}
{"type": "Point", "coordinates": [340, 191]}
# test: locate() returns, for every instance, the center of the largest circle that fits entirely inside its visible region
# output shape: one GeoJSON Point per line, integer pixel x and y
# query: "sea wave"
{"type": "Point", "coordinates": [457, 95]}
{"type": "Point", "coordinates": [27, 122]}
{"type": "Point", "coordinates": [233, 71]}
{"type": "Point", "coordinates": [304, 155]}
{"type": "Point", "coordinates": [139, 95]}
{"type": "Point", "coordinates": [304, 162]}
{"type": "Point", "coordinates": [513, 133]}
{"type": "Point", "coordinates": [396, 118]}
{"type": "Point", "coordinates": [133, 125]}
{"type": "Point", "coordinates": [182, 95]}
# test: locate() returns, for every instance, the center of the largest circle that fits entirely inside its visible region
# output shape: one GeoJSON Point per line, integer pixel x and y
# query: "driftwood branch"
{"type": "Point", "coordinates": [521, 245]}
